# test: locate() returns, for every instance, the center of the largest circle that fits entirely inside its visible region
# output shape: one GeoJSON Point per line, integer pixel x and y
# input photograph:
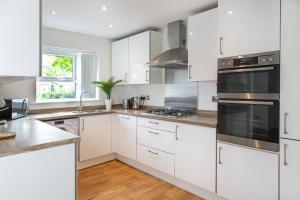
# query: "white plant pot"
{"type": "Point", "coordinates": [108, 103]}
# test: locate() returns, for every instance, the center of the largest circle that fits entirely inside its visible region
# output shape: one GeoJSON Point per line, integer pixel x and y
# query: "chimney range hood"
{"type": "Point", "coordinates": [177, 55]}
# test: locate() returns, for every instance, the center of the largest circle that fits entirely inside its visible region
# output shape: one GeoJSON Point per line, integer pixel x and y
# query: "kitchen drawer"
{"type": "Point", "coordinates": [156, 159]}
{"type": "Point", "coordinates": [157, 124]}
{"type": "Point", "coordinates": [158, 139]}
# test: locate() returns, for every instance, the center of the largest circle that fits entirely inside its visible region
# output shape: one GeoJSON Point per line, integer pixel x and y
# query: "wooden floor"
{"type": "Point", "coordinates": [117, 181]}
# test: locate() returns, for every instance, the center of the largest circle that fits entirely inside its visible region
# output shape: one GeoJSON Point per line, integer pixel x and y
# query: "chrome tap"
{"type": "Point", "coordinates": [80, 107]}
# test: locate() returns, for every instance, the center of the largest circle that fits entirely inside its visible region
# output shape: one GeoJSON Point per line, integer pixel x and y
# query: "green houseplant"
{"type": "Point", "coordinates": [106, 87]}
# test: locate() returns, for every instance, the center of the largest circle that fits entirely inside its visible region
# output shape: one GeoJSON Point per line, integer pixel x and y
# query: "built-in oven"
{"type": "Point", "coordinates": [249, 123]}
{"type": "Point", "coordinates": [248, 100]}
{"type": "Point", "coordinates": [254, 76]}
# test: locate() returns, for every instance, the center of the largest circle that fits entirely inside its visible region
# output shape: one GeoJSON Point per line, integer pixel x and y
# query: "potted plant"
{"type": "Point", "coordinates": [106, 87]}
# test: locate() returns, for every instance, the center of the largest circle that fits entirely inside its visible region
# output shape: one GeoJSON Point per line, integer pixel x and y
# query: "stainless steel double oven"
{"type": "Point", "coordinates": [248, 100]}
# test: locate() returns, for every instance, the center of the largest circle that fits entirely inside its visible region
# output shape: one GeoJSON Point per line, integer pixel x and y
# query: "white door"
{"type": "Point", "coordinates": [139, 55]}
{"type": "Point", "coordinates": [195, 155]}
{"type": "Point", "coordinates": [125, 130]}
{"type": "Point", "coordinates": [95, 133]}
{"type": "Point", "coordinates": [246, 174]}
{"type": "Point", "coordinates": [290, 48]}
{"type": "Point", "coordinates": [289, 169]}
{"type": "Point", "coordinates": [203, 46]}
{"type": "Point", "coordinates": [248, 26]}
{"type": "Point", "coordinates": [119, 62]}
{"type": "Point", "coordinates": [20, 37]}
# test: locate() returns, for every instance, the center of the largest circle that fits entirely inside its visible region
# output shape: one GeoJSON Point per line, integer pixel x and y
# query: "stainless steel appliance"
{"type": "Point", "coordinates": [14, 109]}
{"type": "Point", "coordinates": [248, 105]}
{"type": "Point", "coordinates": [169, 112]}
{"type": "Point", "coordinates": [126, 103]}
{"type": "Point", "coordinates": [137, 102]}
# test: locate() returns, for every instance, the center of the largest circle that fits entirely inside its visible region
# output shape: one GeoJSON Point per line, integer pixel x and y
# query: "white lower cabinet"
{"type": "Point", "coordinates": [289, 169]}
{"type": "Point", "coordinates": [156, 159]}
{"type": "Point", "coordinates": [247, 174]}
{"type": "Point", "coordinates": [124, 135]}
{"type": "Point", "coordinates": [195, 155]}
{"type": "Point", "coordinates": [95, 133]}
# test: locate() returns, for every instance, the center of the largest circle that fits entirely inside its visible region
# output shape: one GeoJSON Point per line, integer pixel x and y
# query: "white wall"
{"type": "Point", "coordinates": [64, 39]}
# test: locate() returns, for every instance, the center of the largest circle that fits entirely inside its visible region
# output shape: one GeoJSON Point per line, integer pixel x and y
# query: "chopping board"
{"type": "Point", "coordinates": [7, 135]}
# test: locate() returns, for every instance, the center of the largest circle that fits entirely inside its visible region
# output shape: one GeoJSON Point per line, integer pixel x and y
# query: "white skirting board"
{"type": "Point", "coordinates": [171, 179]}
{"type": "Point", "coordinates": [96, 161]}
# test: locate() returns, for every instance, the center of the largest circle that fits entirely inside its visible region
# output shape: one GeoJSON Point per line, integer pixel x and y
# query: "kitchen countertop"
{"type": "Point", "coordinates": [32, 135]}
{"type": "Point", "coordinates": [203, 118]}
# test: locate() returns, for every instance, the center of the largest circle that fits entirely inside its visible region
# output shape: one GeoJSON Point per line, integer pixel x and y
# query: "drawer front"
{"type": "Point", "coordinates": [158, 139]}
{"type": "Point", "coordinates": [156, 159]}
{"type": "Point", "coordinates": [157, 124]}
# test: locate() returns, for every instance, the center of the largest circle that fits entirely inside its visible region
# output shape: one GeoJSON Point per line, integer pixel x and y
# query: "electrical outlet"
{"type": "Point", "coordinates": [147, 97]}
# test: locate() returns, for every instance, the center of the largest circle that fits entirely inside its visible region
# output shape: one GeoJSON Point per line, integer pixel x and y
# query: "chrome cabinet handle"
{"type": "Point", "coordinates": [189, 71]}
{"type": "Point", "coordinates": [147, 80]}
{"type": "Point", "coordinates": [220, 45]}
{"type": "Point", "coordinates": [155, 153]}
{"type": "Point", "coordinates": [82, 122]}
{"type": "Point", "coordinates": [126, 74]}
{"type": "Point", "coordinates": [220, 162]}
{"type": "Point", "coordinates": [153, 122]}
{"type": "Point", "coordinates": [125, 117]}
{"type": "Point", "coordinates": [284, 122]}
{"type": "Point", "coordinates": [285, 161]}
{"type": "Point", "coordinates": [247, 102]}
{"type": "Point", "coordinates": [176, 133]}
{"type": "Point", "coordinates": [155, 133]}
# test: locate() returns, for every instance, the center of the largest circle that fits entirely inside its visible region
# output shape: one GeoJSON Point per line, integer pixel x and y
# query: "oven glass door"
{"type": "Point", "coordinates": [249, 80]}
{"type": "Point", "coordinates": [249, 119]}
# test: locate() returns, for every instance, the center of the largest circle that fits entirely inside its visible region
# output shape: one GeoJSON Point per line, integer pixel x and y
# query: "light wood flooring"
{"type": "Point", "coordinates": [117, 181]}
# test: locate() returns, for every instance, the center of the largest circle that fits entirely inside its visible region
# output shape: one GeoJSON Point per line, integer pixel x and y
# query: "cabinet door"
{"type": "Point", "coordinates": [20, 37]}
{"type": "Point", "coordinates": [289, 169]}
{"type": "Point", "coordinates": [289, 72]}
{"type": "Point", "coordinates": [203, 46]}
{"type": "Point", "coordinates": [125, 130]}
{"type": "Point", "coordinates": [195, 155]}
{"type": "Point", "coordinates": [95, 133]}
{"type": "Point", "coordinates": [119, 62]}
{"type": "Point", "coordinates": [246, 174]}
{"type": "Point", "coordinates": [248, 26]}
{"type": "Point", "coordinates": [139, 55]}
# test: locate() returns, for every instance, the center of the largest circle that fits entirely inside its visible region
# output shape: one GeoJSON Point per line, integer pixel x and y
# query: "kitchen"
{"type": "Point", "coordinates": [203, 109]}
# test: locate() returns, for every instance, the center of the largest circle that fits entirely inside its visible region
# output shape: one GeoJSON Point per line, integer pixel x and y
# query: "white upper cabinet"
{"type": "Point", "coordinates": [20, 38]}
{"type": "Point", "coordinates": [247, 174]}
{"type": "Point", "coordinates": [248, 26]}
{"type": "Point", "coordinates": [120, 60]}
{"type": "Point", "coordinates": [195, 155]}
{"type": "Point", "coordinates": [289, 169]}
{"type": "Point", "coordinates": [95, 133]}
{"type": "Point", "coordinates": [203, 46]}
{"type": "Point", "coordinates": [143, 47]}
{"type": "Point", "coordinates": [290, 48]}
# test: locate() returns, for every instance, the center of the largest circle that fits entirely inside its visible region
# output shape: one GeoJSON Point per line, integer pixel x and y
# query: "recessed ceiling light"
{"type": "Point", "coordinates": [110, 26]}
{"type": "Point", "coordinates": [230, 12]}
{"type": "Point", "coordinates": [52, 12]}
{"type": "Point", "coordinates": [104, 8]}
{"type": "Point", "coordinates": [191, 33]}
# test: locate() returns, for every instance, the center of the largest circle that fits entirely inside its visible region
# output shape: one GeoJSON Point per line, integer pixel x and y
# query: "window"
{"type": "Point", "coordinates": [65, 74]}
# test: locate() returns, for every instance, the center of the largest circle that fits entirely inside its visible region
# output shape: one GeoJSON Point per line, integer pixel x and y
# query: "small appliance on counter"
{"type": "Point", "coordinates": [126, 103]}
{"type": "Point", "coordinates": [14, 109]}
{"type": "Point", "coordinates": [3, 133]}
{"type": "Point", "coordinates": [133, 102]}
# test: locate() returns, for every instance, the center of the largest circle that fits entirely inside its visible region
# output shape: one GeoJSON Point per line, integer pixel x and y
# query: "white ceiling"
{"type": "Point", "coordinates": [127, 16]}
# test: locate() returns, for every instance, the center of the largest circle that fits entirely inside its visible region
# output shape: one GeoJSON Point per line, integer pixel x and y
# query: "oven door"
{"type": "Point", "coordinates": [249, 123]}
{"type": "Point", "coordinates": [249, 83]}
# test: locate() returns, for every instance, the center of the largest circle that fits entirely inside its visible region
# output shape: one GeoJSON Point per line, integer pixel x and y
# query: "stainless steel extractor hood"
{"type": "Point", "coordinates": [177, 55]}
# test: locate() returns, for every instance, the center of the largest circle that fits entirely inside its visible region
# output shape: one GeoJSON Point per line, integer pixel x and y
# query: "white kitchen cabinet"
{"type": "Point", "coordinates": [248, 26]}
{"type": "Point", "coordinates": [143, 47]}
{"type": "Point", "coordinates": [46, 174]}
{"type": "Point", "coordinates": [195, 155]}
{"type": "Point", "coordinates": [95, 133]}
{"type": "Point", "coordinates": [120, 60]}
{"type": "Point", "coordinates": [289, 72]}
{"type": "Point", "coordinates": [203, 46]}
{"type": "Point", "coordinates": [156, 124]}
{"type": "Point", "coordinates": [289, 169]}
{"type": "Point", "coordinates": [124, 135]}
{"type": "Point", "coordinates": [244, 173]}
{"type": "Point", "coordinates": [20, 38]}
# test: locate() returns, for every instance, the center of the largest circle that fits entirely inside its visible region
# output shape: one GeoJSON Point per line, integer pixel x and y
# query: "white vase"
{"type": "Point", "coordinates": [108, 103]}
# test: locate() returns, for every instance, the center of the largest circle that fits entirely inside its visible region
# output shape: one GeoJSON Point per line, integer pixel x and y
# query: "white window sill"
{"type": "Point", "coordinates": [64, 101]}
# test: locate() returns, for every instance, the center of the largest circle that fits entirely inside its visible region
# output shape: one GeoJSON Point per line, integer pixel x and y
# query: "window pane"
{"type": "Point", "coordinates": [59, 66]}
{"type": "Point", "coordinates": [89, 73]}
{"type": "Point", "coordinates": [56, 90]}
